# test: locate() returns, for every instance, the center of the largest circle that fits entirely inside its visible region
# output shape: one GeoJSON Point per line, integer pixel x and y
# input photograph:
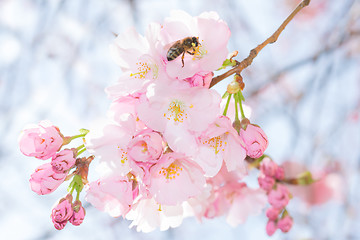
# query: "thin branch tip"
{"type": "Point", "coordinates": [254, 52]}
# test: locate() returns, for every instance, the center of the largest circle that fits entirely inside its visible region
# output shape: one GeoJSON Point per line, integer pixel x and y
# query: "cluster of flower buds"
{"type": "Point", "coordinates": [65, 211]}
{"type": "Point", "coordinates": [270, 179]}
{"type": "Point", "coordinates": [172, 147]}
{"type": "Point", "coordinates": [44, 141]}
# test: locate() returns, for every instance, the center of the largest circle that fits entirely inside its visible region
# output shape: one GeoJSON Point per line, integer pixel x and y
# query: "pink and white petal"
{"type": "Point", "coordinates": [126, 85]}
{"type": "Point", "coordinates": [152, 114]}
{"type": "Point", "coordinates": [175, 69]}
{"type": "Point", "coordinates": [128, 47]}
{"type": "Point", "coordinates": [248, 202]}
{"type": "Point", "coordinates": [206, 104]}
{"type": "Point", "coordinates": [234, 156]}
{"type": "Point", "coordinates": [180, 139]}
{"type": "Point", "coordinates": [213, 42]}
{"type": "Point", "coordinates": [209, 161]}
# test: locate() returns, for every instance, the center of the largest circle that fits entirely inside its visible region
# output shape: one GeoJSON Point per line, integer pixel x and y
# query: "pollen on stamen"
{"type": "Point", "coordinates": [218, 143]}
{"type": "Point", "coordinates": [199, 52]}
{"type": "Point", "coordinates": [176, 112]}
{"type": "Point", "coordinates": [143, 69]}
{"type": "Point", "coordinates": [171, 172]}
{"type": "Point", "coordinates": [123, 155]}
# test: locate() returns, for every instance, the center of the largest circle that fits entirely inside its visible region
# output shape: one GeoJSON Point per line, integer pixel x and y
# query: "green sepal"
{"type": "Point", "coordinates": [76, 184]}
{"type": "Point", "coordinates": [227, 63]}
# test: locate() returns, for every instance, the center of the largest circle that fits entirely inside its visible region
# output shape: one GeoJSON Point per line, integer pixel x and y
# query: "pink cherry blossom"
{"type": "Point", "coordinates": [279, 197]}
{"type": "Point", "coordinates": [220, 142]}
{"type": "Point", "coordinates": [78, 214]}
{"type": "Point", "coordinates": [45, 180]}
{"type": "Point", "coordinates": [255, 140]}
{"type": "Point", "coordinates": [285, 223]}
{"type": "Point", "coordinates": [175, 178]}
{"type": "Point", "coordinates": [63, 210]}
{"type": "Point", "coordinates": [144, 150]}
{"type": "Point", "coordinates": [178, 113]}
{"type": "Point", "coordinates": [271, 227]}
{"type": "Point", "coordinates": [266, 183]}
{"type": "Point", "coordinates": [272, 213]}
{"type": "Point", "coordinates": [63, 160]}
{"type": "Point", "coordinates": [141, 65]}
{"type": "Point", "coordinates": [210, 53]}
{"type": "Point", "coordinates": [145, 147]}
{"type": "Point", "coordinates": [114, 195]}
{"type": "Point", "coordinates": [41, 141]}
{"type": "Point", "coordinates": [268, 167]}
{"type": "Point", "coordinates": [110, 144]}
{"type": "Point", "coordinates": [246, 202]}
{"type": "Point", "coordinates": [218, 204]}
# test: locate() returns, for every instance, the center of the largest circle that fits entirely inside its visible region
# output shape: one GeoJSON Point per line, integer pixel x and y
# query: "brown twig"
{"type": "Point", "coordinates": [254, 52]}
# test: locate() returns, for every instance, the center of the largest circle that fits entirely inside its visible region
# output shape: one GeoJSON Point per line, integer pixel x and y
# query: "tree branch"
{"type": "Point", "coordinates": [254, 52]}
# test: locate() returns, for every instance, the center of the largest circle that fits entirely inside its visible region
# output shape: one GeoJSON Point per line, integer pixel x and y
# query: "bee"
{"type": "Point", "coordinates": [186, 45]}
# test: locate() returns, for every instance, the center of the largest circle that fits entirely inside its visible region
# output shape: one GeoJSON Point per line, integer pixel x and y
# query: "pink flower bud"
{"type": "Point", "coordinates": [272, 213]}
{"type": "Point", "coordinates": [41, 141]}
{"type": "Point", "coordinates": [255, 140]}
{"type": "Point", "coordinates": [266, 183]}
{"type": "Point", "coordinates": [59, 225]}
{"type": "Point", "coordinates": [279, 198]}
{"type": "Point", "coordinates": [268, 167]}
{"type": "Point", "coordinates": [44, 180]}
{"type": "Point", "coordinates": [78, 214]}
{"type": "Point", "coordinates": [271, 228]}
{"type": "Point", "coordinates": [63, 160]}
{"type": "Point", "coordinates": [63, 210]}
{"type": "Point", "coordinates": [285, 224]}
{"type": "Point", "coordinates": [280, 173]}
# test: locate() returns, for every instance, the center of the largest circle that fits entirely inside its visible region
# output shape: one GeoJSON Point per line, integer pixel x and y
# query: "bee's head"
{"type": "Point", "coordinates": [195, 41]}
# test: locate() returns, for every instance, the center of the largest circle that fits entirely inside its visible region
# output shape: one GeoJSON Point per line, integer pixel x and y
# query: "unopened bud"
{"type": "Point", "coordinates": [236, 125]}
{"type": "Point", "coordinates": [244, 123]}
{"type": "Point", "coordinates": [233, 87]}
{"type": "Point", "coordinates": [239, 80]}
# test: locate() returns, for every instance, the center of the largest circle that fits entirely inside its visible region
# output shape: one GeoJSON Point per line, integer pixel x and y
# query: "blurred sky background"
{"type": "Point", "coordinates": [304, 90]}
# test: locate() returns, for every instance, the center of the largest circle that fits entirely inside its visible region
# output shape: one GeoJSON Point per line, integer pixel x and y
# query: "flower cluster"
{"type": "Point", "coordinates": [168, 138]}
{"type": "Point", "coordinates": [171, 148]}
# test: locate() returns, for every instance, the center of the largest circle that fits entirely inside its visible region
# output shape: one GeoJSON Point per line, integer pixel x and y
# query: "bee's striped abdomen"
{"type": "Point", "coordinates": [174, 52]}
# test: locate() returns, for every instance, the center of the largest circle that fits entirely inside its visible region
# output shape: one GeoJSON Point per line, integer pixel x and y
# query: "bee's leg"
{"type": "Point", "coordinates": [182, 59]}
{"type": "Point", "coordinates": [191, 53]}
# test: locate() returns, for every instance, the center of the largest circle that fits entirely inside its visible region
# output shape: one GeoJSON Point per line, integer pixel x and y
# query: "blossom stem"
{"type": "Point", "coordinates": [78, 136]}
{"type": "Point", "coordinates": [72, 189]}
{"type": "Point", "coordinates": [77, 195]}
{"type": "Point", "coordinates": [240, 97]}
{"type": "Point", "coordinates": [254, 52]}
{"type": "Point", "coordinates": [227, 105]}
{"type": "Point", "coordinates": [81, 151]}
{"type": "Point", "coordinates": [80, 147]}
{"type": "Point", "coordinates": [236, 107]}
